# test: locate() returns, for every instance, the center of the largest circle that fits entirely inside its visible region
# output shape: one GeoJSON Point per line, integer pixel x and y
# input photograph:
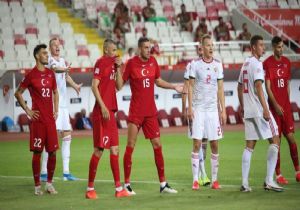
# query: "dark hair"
{"type": "Point", "coordinates": [276, 40]}
{"type": "Point", "coordinates": [142, 40]}
{"type": "Point", "coordinates": [254, 39]}
{"type": "Point", "coordinates": [38, 48]}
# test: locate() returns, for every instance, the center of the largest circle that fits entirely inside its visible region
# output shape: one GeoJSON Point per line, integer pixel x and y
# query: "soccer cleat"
{"type": "Point", "coordinates": [195, 186]}
{"type": "Point", "coordinates": [200, 181]}
{"type": "Point", "coordinates": [43, 177]}
{"type": "Point", "coordinates": [38, 190]}
{"type": "Point", "coordinates": [298, 176]}
{"type": "Point", "coordinates": [129, 190]}
{"type": "Point", "coordinates": [122, 193]}
{"type": "Point", "coordinates": [281, 180]}
{"type": "Point", "coordinates": [91, 194]}
{"type": "Point", "coordinates": [215, 185]}
{"type": "Point", "coordinates": [273, 186]}
{"type": "Point", "coordinates": [245, 189]}
{"type": "Point", "coordinates": [69, 177]}
{"type": "Point", "coordinates": [49, 188]}
{"type": "Point", "coordinates": [205, 181]}
{"type": "Point", "coordinates": [167, 189]}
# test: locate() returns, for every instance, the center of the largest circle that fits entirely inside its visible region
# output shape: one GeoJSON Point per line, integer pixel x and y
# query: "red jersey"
{"type": "Point", "coordinates": [104, 71]}
{"type": "Point", "coordinates": [41, 84]}
{"type": "Point", "coordinates": [279, 74]}
{"type": "Point", "coordinates": [142, 76]}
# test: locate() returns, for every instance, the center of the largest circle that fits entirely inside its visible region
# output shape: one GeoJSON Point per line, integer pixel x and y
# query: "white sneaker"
{"type": "Point", "coordinates": [245, 189]}
{"type": "Point", "coordinates": [38, 190]}
{"type": "Point", "coordinates": [129, 190]}
{"type": "Point", "coordinates": [49, 188]}
{"type": "Point", "coordinates": [271, 185]}
{"type": "Point", "coordinates": [167, 189]}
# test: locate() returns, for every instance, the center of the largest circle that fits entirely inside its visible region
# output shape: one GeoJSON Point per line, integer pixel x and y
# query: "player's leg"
{"type": "Point", "coordinates": [204, 147]}
{"type": "Point", "coordinates": [65, 154]}
{"type": "Point", "coordinates": [203, 178]}
{"type": "Point", "coordinates": [36, 163]}
{"type": "Point", "coordinates": [214, 161]}
{"type": "Point", "coordinates": [246, 162]}
{"type": "Point", "coordinates": [294, 154]}
{"type": "Point", "coordinates": [44, 166]}
{"type": "Point", "coordinates": [127, 159]}
{"type": "Point", "coordinates": [195, 161]}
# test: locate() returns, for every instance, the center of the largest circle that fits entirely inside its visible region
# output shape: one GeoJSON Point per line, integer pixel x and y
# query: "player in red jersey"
{"type": "Point", "coordinates": [143, 72]}
{"type": "Point", "coordinates": [41, 84]}
{"type": "Point", "coordinates": [278, 74]}
{"type": "Point", "coordinates": [105, 131]}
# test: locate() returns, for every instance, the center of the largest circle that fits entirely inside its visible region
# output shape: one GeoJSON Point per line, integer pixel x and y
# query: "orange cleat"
{"type": "Point", "coordinates": [195, 185]}
{"type": "Point", "coordinates": [298, 176]}
{"type": "Point", "coordinates": [91, 194]}
{"type": "Point", "coordinates": [122, 193]}
{"type": "Point", "coordinates": [215, 185]}
{"type": "Point", "coordinates": [281, 180]}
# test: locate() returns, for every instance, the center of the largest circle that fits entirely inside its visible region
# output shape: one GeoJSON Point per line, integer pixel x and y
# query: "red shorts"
{"type": "Point", "coordinates": [105, 132]}
{"type": "Point", "coordinates": [43, 135]}
{"type": "Point", "coordinates": [285, 123]}
{"type": "Point", "coordinates": [149, 125]}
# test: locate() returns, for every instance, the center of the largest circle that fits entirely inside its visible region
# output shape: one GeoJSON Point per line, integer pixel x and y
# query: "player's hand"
{"type": "Point", "coordinates": [223, 118]}
{"type": "Point", "coordinates": [190, 114]}
{"type": "Point", "coordinates": [179, 88]}
{"type": "Point", "coordinates": [266, 114]}
{"type": "Point", "coordinates": [105, 113]}
{"type": "Point", "coordinates": [118, 61]}
{"type": "Point", "coordinates": [78, 88]}
{"type": "Point", "coordinates": [33, 114]}
{"type": "Point", "coordinates": [55, 115]}
{"type": "Point", "coordinates": [185, 89]}
{"type": "Point", "coordinates": [68, 68]}
{"type": "Point", "coordinates": [279, 110]}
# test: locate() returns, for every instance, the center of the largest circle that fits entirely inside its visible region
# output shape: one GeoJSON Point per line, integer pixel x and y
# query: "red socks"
{"type": "Point", "coordinates": [51, 167]}
{"type": "Point", "coordinates": [36, 168]}
{"type": "Point", "coordinates": [294, 155]}
{"type": "Point", "coordinates": [127, 163]}
{"type": "Point", "coordinates": [159, 161]}
{"type": "Point", "coordinates": [114, 164]}
{"type": "Point", "coordinates": [93, 170]}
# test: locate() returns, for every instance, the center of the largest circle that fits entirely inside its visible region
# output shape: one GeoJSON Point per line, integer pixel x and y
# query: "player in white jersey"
{"type": "Point", "coordinates": [203, 179]}
{"type": "Point", "coordinates": [205, 93]}
{"type": "Point", "coordinates": [259, 122]}
{"type": "Point", "coordinates": [63, 126]}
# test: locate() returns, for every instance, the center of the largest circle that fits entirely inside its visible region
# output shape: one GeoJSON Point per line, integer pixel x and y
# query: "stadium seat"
{"type": "Point", "coordinates": [83, 51]}
{"type": "Point", "coordinates": [163, 118]}
{"type": "Point", "coordinates": [23, 122]}
{"type": "Point", "coordinates": [176, 119]}
{"type": "Point", "coordinates": [231, 115]}
{"type": "Point", "coordinates": [121, 119]}
{"type": "Point", "coordinates": [1, 54]}
{"type": "Point", "coordinates": [295, 111]}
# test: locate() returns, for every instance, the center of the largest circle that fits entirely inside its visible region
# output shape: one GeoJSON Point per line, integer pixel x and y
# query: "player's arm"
{"type": "Point", "coordinates": [119, 79]}
{"type": "Point", "coordinates": [104, 110]}
{"type": "Point", "coordinates": [184, 97]}
{"type": "Point", "coordinates": [240, 95]}
{"type": "Point", "coordinates": [73, 84]}
{"type": "Point", "coordinates": [33, 114]}
{"type": "Point", "coordinates": [166, 85]}
{"type": "Point", "coordinates": [190, 113]}
{"type": "Point", "coordinates": [58, 69]}
{"type": "Point", "coordinates": [221, 100]}
{"type": "Point", "coordinates": [55, 101]}
{"type": "Point", "coordinates": [260, 94]}
{"type": "Point", "coordinates": [272, 98]}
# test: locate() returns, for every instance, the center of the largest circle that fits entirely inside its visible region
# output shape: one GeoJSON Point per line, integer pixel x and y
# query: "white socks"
{"type": "Point", "coordinates": [44, 161]}
{"type": "Point", "coordinates": [271, 162]}
{"type": "Point", "coordinates": [195, 165]}
{"type": "Point", "coordinates": [202, 172]}
{"type": "Point", "coordinates": [65, 153]}
{"type": "Point", "coordinates": [214, 160]}
{"type": "Point", "coordinates": [246, 160]}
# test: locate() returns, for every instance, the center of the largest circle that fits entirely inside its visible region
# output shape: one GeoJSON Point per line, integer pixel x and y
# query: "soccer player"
{"type": "Point", "coordinates": [259, 122]}
{"type": "Point", "coordinates": [278, 74]}
{"type": "Point", "coordinates": [41, 83]}
{"type": "Point", "coordinates": [142, 72]}
{"type": "Point", "coordinates": [105, 131]}
{"type": "Point", "coordinates": [205, 93]}
{"type": "Point", "coordinates": [63, 126]}
{"type": "Point", "coordinates": [203, 179]}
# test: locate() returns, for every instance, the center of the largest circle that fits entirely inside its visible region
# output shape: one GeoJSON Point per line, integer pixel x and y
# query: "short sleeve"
{"type": "Point", "coordinates": [25, 83]}
{"type": "Point", "coordinates": [97, 72]}
{"type": "Point", "coordinates": [126, 73]}
{"type": "Point", "coordinates": [258, 72]}
{"type": "Point", "coordinates": [266, 69]}
{"type": "Point", "coordinates": [186, 75]}
{"type": "Point", "coordinates": [220, 72]}
{"type": "Point", "coordinates": [192, 72]}
{"type": "Point", "coordinates": [157, 70]}
{"type": "Point", "coordinates": [50, 63]}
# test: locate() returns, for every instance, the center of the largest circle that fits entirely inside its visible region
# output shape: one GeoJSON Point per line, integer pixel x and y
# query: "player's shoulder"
{"type": "Point", "coordinates": [49, 71]}
{"type": "Point", "coordinates": [269, 59]}
{"type": "Point", "coordinates": [217, 61]}
{"type": "Point", "coordinates": [285, 59]}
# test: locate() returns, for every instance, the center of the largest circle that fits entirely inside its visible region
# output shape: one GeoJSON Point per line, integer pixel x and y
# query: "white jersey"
{"type": "Point", "coordinates": [252, 70]}
{"type": "Point", "coordinates": [205, 92]}
{"type": "Point", "coordinates": [60, 80]}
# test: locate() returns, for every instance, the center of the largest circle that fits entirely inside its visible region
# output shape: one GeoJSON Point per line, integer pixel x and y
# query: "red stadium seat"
{"type": "Point", "coordinates": [136, 8]}
{"type": "Point", "coordinates": [295, 111]}
{"type": "Point", "coordinates": [1, 54]}
{"type": "Point", "coordinates": [121, 119]}
{"type": "Point", "coordinates": [163, 118]}
{"type": "Point", "coordinates": [20, 40]}
{"type": "Point", "coordinates": [31, 30]}
{"type": "Point", "coordinates": [23, 122]}
{"type": "Point", "coordinates": [231, 115]}
{"type": "Point", "coordinates": [212, 13]}
{"type": "Point", "coordinates": [83, 52]}
{"type": "Point", "coordinates": [176, 119]}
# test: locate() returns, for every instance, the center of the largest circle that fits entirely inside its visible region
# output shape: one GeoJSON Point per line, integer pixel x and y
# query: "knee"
{"type": "Point", "coordinates": [114, 150]}
{"type": "Point", "coordinates": [156, 143]}
{"type": "Point", "coordinates": [98, 152]}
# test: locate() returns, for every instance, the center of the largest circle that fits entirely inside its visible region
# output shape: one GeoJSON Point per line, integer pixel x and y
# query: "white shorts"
{"type": "Point", "coordinates": [258, 128]}
{"type": "Point", "coordinates": [63, 120]}
{"type": "Point", "coordinates": [205, 125]}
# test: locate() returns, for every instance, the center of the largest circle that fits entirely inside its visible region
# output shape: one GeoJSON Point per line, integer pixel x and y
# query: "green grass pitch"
{"type": "Point", "coordinates": [16, 182]}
